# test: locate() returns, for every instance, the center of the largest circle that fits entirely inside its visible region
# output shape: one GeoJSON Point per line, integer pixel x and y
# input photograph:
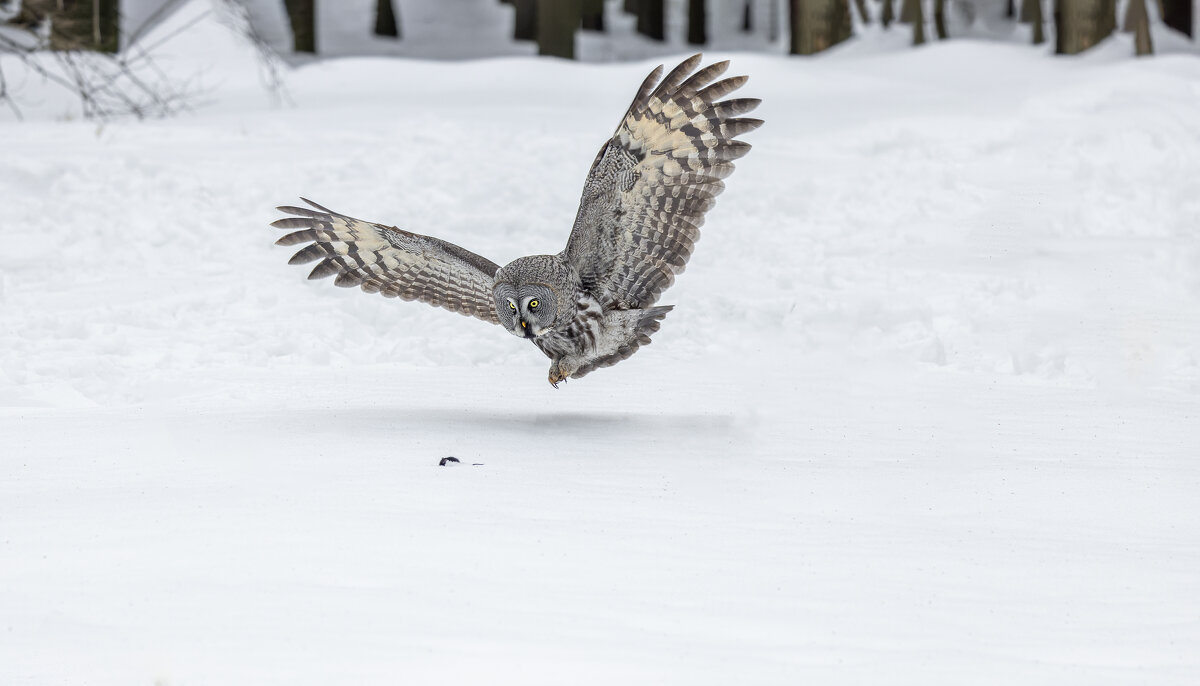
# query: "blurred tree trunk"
{"type": "Point", "coordinates": [1108, 17]}
{"type": "Point", "coordinates": [697, 32]}
{"type": "Point", "coordinates": [650, 19]}
{"type": "Point", "coordinates": [747, 17]}
{"type": "Point", "coordinates": [862, 11]}
{"type": "Point", "coordinates": [386, 23]}
{"type": "Point", "coordinates": [303, 16]}
{"type": "Point", "coordinates": [1137, 20]}
{"type": "Point", "coordinates": [911, 12]}
{"type": "Point", "coordinates": [593, 15]}
{"type": "Point", "coordinates": [1178, 15]}
{"type": "Point", "coordinates": [629, 6]}
{"type": "Point", "coordinates": [75, 24]}
{"type": "Point", "coordinates": [556, 24]}
{"type": "Point", "coordinates": [1031, 13]}
{"type": "Point", "coordinates": [818, 25]}
{"type": "Point", "coordinates": [889, 14]}
{"type": "Point", "coordinates": [1009, 10]}
{"type": "Point", "coordinates": [524, 19]}
{"type": "Point", "coordinates": [939, 19]}
{"type": "Point", "coordinates": [1128, 22]}
{"type": "Point", "coordinates": [1080, 24]}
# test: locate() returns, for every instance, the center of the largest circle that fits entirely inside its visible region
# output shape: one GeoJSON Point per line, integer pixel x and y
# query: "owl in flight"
{"type": "Point", "coordinates": [591, 305]}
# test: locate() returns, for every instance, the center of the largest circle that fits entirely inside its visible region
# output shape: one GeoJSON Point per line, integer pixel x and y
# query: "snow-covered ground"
{"type": "Point", "coordinates": [927, 410]}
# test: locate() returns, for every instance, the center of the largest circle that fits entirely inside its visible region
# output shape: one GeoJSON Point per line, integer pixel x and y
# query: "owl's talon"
{"type": "Point", "coordinates": [558, 375]}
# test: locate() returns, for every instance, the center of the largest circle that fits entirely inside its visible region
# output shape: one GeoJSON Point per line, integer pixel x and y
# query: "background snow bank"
{"type": "Point", "coordinates": [925, 411]}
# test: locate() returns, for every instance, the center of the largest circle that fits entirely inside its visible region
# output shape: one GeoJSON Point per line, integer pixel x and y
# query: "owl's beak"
{"type": "Point", "coordinates": [528, 331]}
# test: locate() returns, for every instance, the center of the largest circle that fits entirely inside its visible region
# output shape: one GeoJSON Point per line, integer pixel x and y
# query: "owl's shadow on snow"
{"type": "Point", "coordinates": [496, 423]}
{"type": "Point", "coordinates": [573, 421]}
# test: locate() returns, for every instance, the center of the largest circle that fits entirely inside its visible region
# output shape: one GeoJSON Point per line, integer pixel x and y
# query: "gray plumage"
{"type": "Point", "coordinates": [592, 305]}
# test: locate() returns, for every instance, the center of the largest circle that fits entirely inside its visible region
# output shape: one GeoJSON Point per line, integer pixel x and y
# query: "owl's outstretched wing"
{"type": "Point", "coordinates": [391, 261]}
{"type": "Point", "coordinates": [646, 194]}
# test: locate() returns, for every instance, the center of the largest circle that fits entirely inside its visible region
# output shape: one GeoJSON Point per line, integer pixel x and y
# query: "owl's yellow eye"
{"type": "Point", "coordinates": [512, 306]}
{"type": "Point", "coordinates": [533, 304]}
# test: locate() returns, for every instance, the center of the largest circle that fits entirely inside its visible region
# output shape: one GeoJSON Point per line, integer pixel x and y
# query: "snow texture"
{"type": "Point", "coordinates": [926, 411]}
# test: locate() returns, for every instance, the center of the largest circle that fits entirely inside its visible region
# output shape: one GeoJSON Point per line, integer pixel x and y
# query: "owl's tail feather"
{"type": "Point", "coordinates": [649, 321]}
{"type": "Point", "coordinates": [624, 332]}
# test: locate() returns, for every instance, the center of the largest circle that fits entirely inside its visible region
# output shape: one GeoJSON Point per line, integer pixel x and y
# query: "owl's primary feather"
{"type": "Point", "coordinates": [589, 306]}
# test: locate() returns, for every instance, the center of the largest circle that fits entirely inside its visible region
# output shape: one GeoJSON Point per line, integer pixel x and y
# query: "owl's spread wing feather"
{"type": "Point", "coordinates": [391, 261]}
{"type": "Point", "coordinates": [647, 191]}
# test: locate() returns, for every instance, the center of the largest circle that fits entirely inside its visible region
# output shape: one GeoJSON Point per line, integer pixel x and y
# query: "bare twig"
{"type": "Point", "coordinates": [271, 67]}
{"type": "Point", "coordinates": [4, 97]}
{"type": "Point", "coordinates": [162, 12]}
{"type": "Point", "coordinates": [107, 86]}
{"type": "Point", "coordinates": [127, 83]}
{"type": "Point", "coordinates": [130, 82]}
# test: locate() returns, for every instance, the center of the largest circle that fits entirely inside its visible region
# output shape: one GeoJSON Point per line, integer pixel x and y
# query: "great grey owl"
{"type": "Point", "coordinates": [590, 305]}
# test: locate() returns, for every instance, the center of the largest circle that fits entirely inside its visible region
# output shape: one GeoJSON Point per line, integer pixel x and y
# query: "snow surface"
{"type": "Point", "coordinates": [925, 412]}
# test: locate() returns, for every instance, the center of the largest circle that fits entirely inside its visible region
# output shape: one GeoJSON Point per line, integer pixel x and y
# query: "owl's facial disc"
{"type": "Point", "coordinates": [525, 309]}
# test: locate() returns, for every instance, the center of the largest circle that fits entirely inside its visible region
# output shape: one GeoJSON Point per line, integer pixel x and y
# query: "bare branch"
{"type": "Point", "coordinates": [4, 97]}
{"type": "Point", "coordinates": [236, 16]}
{"type": "Point", "coordinates": [107, 86]}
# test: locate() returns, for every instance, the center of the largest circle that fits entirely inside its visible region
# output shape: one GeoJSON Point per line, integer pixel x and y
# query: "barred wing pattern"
{"type": "Point", "coordinates": [646, 194]}
{"type": "Point", "coordinates": [391, 261]}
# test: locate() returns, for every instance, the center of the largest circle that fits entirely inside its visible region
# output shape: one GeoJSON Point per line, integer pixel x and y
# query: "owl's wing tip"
{"type": "Point", "coordinates": [319, 207]}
